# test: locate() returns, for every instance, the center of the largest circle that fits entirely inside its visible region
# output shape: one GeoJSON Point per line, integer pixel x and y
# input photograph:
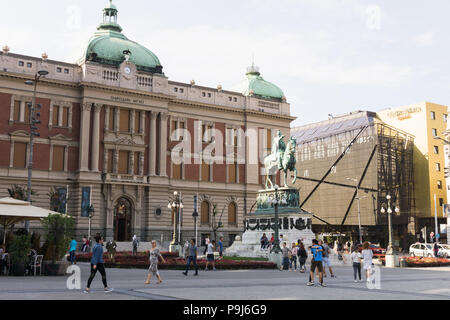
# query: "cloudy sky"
{"type": "Point", "coordinates": [328, 56]}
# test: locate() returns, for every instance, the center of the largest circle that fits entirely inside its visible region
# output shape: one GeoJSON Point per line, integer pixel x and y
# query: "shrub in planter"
{"type": "Point", "coordinates": [59, 228]}
{"type": "Point", "coordinates": [19, 250]}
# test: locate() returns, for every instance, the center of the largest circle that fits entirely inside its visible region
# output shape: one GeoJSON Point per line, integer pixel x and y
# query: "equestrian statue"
{"type": "Point", "coordinates": [282, 158]}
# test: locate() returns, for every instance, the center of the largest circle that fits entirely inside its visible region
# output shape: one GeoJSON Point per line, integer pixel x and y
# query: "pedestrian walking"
{"type": "Point", "coordinates": [302, 257]}
{"type": "Point", "coordinates": [206, 245]}
{"type": "Point", "coordinates": [367, 256]}
{"type": "Point", "coordinates": [316, 262]}
{"type": "Point", "coordinates": [326, 259]}
{"type": "Point", "coordinates": [97, 264]}
{"type": "Point", "coordinates": [294, 251]}
{"type": "Point", "coordinates": [210, 255]}
{"type": "Point", "coordinates": [356, 259]}
{"type": "Point", "coordinates": [285, 253]}
{"type": "Point", "coordinates": [436, 250]}
{"type": "Point", "coordinates": [135, 245]}
{"type": "Point", "coordinates": [186, 250]}
{"type": "Point", "coordinates": [154, 255]}
{"type": "Point", "coordinates": [192, 257]}
{"type": "Point", "coordinates": [221, 248]}
{"type": "Point", "coordinates": [72, 251]}
{"type": "Point", "coordinates": [111, 248]}
{"type": "Point", "coordinates": [83, 244]}
{"type": "Point", "coordinates": [264, 241]}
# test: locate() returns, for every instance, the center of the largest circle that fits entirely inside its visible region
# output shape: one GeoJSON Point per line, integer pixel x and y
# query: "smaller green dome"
{"type": "Point", "coordinates": [255, 85]}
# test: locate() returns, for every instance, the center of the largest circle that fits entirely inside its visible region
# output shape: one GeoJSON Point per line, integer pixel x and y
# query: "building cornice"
{"type": "Point", "coordinates": [242, 111]}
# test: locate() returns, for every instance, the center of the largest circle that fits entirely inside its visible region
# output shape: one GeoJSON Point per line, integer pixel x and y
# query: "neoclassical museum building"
{"type": "Point", "coordinates": [109, 125]}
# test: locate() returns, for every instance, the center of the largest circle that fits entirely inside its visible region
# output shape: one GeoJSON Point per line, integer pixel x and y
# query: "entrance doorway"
{"type": "Point", "coordinates": [122, 220]}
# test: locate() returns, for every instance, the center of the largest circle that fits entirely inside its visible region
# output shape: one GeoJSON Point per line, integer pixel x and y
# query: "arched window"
{"type": "Point", "coordinates": [232, 214]}
{"type": "Point", "coordinates": [204, 218]}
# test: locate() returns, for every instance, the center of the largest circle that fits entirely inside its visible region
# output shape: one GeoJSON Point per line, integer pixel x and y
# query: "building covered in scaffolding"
{"type": "Point", "coordinates": [353, 161]}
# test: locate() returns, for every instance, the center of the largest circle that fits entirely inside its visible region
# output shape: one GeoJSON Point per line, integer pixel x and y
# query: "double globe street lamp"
{"type": "Point", "coordinates": [391, 255]}
{"type": "Point", "coordinates": [176, 204]}
{"type": "Point", "coordinates": [33, 130]}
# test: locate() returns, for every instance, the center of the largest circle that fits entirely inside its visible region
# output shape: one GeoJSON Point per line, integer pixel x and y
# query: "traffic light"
{"type": "Point", "coordinates": [35, 119]}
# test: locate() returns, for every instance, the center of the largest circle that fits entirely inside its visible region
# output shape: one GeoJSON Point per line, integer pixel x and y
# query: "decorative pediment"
{"type": "Point", "coordinates": [20, 133]}
{"type": "Point", "coordinates": [60, 137]}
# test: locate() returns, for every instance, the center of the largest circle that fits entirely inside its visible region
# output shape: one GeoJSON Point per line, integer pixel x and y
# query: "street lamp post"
{"type": "Point", "coordinates": [33, 121]}
{"type": "Point", "coordinates": [195, 216]}
{"type": "Point", "coordinates": [275, 253]}
{"type": "Point", "coordinates": [91, 212]}
{"type": "Point", "coordinates": [359, 208]}
{"type": "Point", "coordinates": [391, 255]}
{"type": "Point", "coordinates": [176, 204]}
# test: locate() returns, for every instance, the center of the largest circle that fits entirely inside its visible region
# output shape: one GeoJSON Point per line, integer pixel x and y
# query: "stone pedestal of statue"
{"type": "Point", "coordinates": [294, 224]}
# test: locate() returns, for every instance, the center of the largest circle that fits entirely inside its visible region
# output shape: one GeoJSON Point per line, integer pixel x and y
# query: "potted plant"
{"type": "Point", "coordinates": [59, 230]}
{"type": "Point", "coordinates": [19, 250]}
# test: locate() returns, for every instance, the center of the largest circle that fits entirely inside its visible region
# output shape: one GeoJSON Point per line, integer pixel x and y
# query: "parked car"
{"type": "Point", "coordinates": [421, 250]}
{"type": "Point", "coordinates": [444, 250]}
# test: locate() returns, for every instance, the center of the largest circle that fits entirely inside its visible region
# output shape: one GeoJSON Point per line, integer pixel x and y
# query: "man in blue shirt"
{"type": "Point", "coordinates": [72, 250]}
{"type": "Point", "coordinates": [316, 262]}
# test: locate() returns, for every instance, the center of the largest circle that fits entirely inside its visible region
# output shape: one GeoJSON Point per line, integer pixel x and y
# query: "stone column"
{"type": "Point", "coordinates": [132, 121]}
{"type": "Point", "coordinates": [163, 146]}
{"type": "Point", "coordinates": [152, 147]}
{"type": "Point", "coordinates": [96, 138]}
{"type": "Point", "coordinates": [84, 136]}
{"type": "Point", "coordinates": [142, 122]}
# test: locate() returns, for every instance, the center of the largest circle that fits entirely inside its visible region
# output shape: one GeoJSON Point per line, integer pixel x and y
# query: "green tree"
{"type": "Point", "coordinates": [59, 230]}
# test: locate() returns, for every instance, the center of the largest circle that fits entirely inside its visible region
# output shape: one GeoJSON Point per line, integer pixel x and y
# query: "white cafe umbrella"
{"type": "Point", "coordinates": [13, 211]}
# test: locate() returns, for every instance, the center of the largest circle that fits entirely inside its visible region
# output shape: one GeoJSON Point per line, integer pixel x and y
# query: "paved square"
{"type": "Point", "coordinates": [415, 284]}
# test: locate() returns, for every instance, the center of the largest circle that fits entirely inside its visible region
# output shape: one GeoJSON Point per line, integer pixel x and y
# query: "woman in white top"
{"type": "Point", "coordinates": [356, 259]}
{"type": "Point", "coordinates": [367, 256]}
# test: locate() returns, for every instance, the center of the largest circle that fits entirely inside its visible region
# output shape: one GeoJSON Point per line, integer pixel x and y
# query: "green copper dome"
{"type": "Point", "coordinates": [255, 85]}
{"type": "Point", "coordinates": [109, 45]}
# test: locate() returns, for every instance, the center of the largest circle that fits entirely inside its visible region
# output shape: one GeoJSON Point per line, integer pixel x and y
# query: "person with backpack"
{"type": "Point", "coordinates": [97, 265]}
{"type": "Point", "coordinates": [302, 257]}
{"type": "Point", "coordinates": [135, 245]}
{"type": "Point", "coordinates": [316, 262]}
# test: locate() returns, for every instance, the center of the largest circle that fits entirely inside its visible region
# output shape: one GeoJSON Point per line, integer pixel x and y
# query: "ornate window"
{"type": "Point", "coordinates": [204, 216]}
{"type": "Point", "coordinates": [19, 111]}
{"type": "Point", "coordinates": [60, 115]}
{"type": "Point", "coordinates": [232, 214]}
{"type": "Point", "coordinates": [19, 149]}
